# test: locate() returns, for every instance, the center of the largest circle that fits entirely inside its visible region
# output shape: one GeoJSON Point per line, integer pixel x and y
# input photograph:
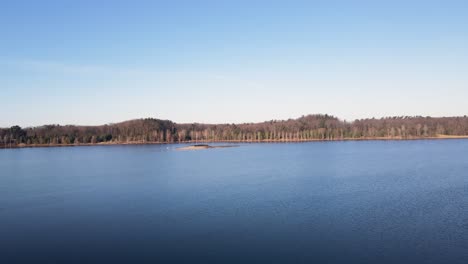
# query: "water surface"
{"type": "Point", "coordinates": [328, 202]}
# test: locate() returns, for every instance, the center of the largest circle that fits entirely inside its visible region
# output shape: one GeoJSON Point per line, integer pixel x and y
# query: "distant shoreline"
{"type": "Point", "coordinates": [308, 128]}
{"type": "Point", "coordinates": [441, 137]}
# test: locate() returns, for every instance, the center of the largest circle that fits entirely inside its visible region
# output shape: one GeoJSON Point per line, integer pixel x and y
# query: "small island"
{"type": "Point", "coordinates": [204, 146]}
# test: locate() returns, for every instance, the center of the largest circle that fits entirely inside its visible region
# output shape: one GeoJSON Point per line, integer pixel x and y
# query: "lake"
{"type": "Point", "coordinates": [321, 202]}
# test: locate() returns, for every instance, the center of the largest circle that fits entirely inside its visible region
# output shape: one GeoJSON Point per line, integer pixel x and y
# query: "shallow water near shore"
{"type": "Point", "coordinates": [327, 202]}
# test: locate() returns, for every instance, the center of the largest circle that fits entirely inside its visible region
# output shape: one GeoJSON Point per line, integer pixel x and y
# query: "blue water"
{"type": "Point", "coordinates": [329, 202]}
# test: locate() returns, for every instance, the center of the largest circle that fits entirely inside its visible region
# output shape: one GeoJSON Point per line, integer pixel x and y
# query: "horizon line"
{"type": "Point", "coordinates": [239, 123]}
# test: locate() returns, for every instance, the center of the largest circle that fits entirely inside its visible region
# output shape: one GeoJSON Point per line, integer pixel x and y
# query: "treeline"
{"type": "Point", "coordinates": [305, 128]}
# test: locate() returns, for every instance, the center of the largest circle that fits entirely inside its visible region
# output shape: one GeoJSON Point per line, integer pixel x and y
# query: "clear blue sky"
{"type": "Point", "coordinates": [94, 62]}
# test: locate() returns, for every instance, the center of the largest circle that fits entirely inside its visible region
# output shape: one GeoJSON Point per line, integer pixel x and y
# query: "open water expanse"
{"type": "Point", "coordinates": [320, 202]}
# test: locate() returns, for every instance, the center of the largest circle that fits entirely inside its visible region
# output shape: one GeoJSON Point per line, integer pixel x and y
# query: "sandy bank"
{"type": "Point", "coordinates": [200, 146]}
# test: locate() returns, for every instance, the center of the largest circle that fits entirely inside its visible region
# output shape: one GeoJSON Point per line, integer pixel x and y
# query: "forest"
{"type": "Point", "coordinates": [305, 128]}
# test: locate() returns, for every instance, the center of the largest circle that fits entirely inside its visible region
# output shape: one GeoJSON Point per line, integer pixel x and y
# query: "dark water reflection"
{"type": "Point", "coordinates": [331, 202]}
